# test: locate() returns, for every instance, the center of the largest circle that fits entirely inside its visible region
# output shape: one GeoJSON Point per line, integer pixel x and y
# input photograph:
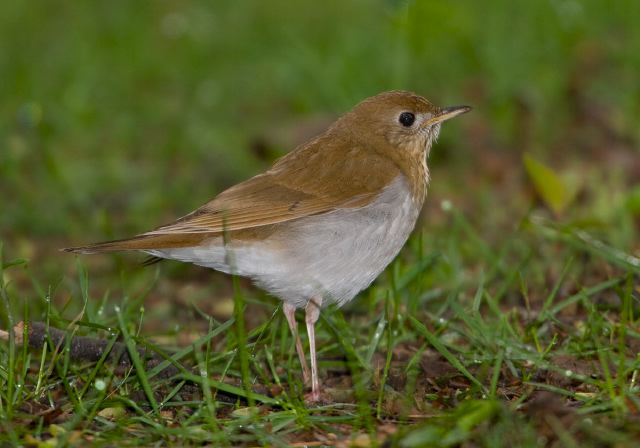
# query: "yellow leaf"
{"type": "Point", "coordinates": [244, 412]}
{"type": "Point", "coordinates": [112, 413]}
{"type": "Point", "coordinates": [548, 184]}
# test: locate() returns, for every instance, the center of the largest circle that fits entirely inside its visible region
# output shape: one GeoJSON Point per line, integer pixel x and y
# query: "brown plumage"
{"type": "Point", "coordinates": [346, 167]}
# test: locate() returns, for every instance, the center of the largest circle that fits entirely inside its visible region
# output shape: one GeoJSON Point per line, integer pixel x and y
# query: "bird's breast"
{"type": "Point", "coordinates": [340, 253]}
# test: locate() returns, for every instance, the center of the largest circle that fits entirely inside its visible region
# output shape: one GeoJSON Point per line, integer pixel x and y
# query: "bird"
{"type": "Point", "coordinates": [323, 221]}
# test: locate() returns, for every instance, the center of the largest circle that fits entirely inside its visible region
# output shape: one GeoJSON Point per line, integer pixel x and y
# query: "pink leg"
{"type": "Point", "coordinates": [312, 313]}
{"type": "Point", "coordinates": [290, 313]}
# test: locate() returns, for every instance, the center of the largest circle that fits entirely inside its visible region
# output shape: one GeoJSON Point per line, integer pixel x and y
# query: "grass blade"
{"type": "Point", "coordinates": [439, 346]}
{"type": "Point", "coordinates": [137, 362]}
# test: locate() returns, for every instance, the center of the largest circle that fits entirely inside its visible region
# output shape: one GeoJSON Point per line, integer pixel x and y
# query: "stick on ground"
{"type": "Point", "coordinates": [84, 348]}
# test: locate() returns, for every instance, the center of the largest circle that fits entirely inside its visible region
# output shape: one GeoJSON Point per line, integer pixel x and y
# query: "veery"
{"type": "Point", "coordinates": [324, 221]}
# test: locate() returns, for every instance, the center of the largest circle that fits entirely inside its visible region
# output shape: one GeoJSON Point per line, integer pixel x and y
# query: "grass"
{"type": "Point", "coordinates": [469, 365]}
{"type": "Point", "coordinates": [509, 319]}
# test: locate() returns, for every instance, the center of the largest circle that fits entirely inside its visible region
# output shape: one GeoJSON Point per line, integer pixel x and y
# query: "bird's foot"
{"type": "Point", "coordinates": [317, 398]}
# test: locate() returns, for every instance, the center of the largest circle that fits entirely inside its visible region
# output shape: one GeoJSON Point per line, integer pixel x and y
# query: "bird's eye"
{"type": "Point", "coordinates": [406, 119]}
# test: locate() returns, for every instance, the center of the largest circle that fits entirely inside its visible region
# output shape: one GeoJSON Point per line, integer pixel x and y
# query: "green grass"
{"type": "Point", "coordinates": [509, 319]}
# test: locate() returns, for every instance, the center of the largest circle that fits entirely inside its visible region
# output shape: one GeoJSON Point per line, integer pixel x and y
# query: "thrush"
{"type": "Point", "coordinates": [323, 222]}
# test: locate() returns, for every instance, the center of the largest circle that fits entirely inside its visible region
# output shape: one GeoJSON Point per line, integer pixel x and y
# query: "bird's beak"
{"type": "Point", "coordinates": [446, 114]}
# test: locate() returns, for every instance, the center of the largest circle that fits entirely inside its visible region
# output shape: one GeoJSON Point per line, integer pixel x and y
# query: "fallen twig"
{"type": "Point", "coordinates": [84, 348]}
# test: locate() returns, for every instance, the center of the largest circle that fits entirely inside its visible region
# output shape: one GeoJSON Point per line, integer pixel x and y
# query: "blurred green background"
{"type": "Point", "coordinates": [117, 116]}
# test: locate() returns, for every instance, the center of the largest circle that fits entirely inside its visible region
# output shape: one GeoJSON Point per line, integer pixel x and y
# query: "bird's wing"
{"type": "Point", "coordinates": [258, 202]}
{"type": "Point", "coordinates": [303, 183]}
{"type": "Point", "coordinates": [320, 177]}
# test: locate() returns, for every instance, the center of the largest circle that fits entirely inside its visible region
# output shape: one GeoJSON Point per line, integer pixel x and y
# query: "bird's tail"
{"type": "Point", "coordinates": [141, 242]}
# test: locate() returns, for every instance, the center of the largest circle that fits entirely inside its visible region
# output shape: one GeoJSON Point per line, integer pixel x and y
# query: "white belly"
{"type": "Point", "coordinates": [333, 256]}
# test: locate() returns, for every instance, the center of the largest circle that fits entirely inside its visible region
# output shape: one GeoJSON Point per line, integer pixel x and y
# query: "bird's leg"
{"type": "Point", "coordinates": [312, 313]}
{"type": "Point", "coordinates": [290, 313]}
